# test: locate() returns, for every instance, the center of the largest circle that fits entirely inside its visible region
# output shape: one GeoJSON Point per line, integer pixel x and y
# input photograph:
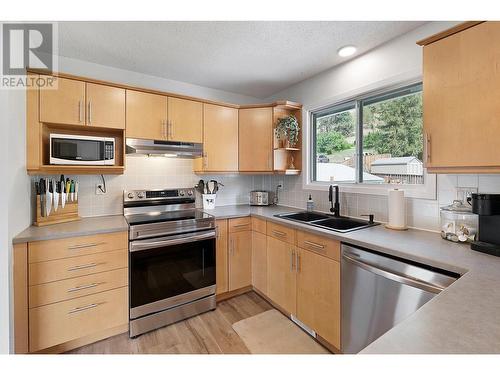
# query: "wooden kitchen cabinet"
{"type": "Point", "coordinates": [105, 106]}
{"type": "Point", "coordinates": [64, 105]}
{"type": "Point", "coordinates": [281, 276]}
{"type": "Point", "coordinates": [256, 139]}
{"type": "Point", "coordinates": [221, 257]}
{"type": "Point", "coordinates": [146, 115]}
{"type": "Point", "coordinates": [240, 253]}
{"type": "Point", "coordinates": [220, 139]}
{"type": "Point", "coordinates": [460, 99]}
{"type": "Point", "coordinates": [259, 262]}
{"type": "Point", "coordinates": [185, 120]}
{"type": "Point", "coordinates": [318, 294]}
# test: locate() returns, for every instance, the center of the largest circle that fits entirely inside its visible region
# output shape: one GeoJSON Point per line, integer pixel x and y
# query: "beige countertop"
{"type": "Point", "coordinates": [464, 318]}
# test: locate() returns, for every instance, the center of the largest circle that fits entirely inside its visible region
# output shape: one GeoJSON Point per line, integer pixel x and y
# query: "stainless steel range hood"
{"type": "Point", "coordinates": [164, 148]}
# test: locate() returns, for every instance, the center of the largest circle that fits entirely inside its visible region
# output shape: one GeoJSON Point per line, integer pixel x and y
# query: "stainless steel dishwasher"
{"type": "Point", "coordinates": [380, 291]}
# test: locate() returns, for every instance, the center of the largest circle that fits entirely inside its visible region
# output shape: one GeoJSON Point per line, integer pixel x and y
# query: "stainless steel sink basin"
{"type": "Point", "coordinates": [338, 224]}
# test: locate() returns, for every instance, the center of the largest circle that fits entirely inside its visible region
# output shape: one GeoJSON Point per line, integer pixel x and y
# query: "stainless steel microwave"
{"type": "Point", "coordinates": [81, 149]}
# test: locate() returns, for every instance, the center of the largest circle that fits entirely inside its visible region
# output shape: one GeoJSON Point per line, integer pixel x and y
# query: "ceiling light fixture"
{"type": "Point", "coordinates": [346, 51]}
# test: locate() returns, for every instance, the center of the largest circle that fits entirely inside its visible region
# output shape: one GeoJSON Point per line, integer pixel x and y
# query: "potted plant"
{"type": "Point", "coordinates": [287, 128]}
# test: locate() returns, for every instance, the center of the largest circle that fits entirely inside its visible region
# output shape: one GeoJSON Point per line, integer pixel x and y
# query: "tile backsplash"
{"type": "Point", "coordinates": [160, 172]}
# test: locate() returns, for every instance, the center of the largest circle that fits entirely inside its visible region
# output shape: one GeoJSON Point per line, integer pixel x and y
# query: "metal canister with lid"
{"type": "Point", "coordinates": [458, 223]}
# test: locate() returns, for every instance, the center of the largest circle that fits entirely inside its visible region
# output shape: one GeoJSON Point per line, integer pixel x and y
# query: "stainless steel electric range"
{"type": "Point", "coordinates": [171, 258]}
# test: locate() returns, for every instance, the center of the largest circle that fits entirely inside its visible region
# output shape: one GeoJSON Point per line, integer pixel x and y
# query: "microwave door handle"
{"type": "Point", "coordinates": [174, 240]}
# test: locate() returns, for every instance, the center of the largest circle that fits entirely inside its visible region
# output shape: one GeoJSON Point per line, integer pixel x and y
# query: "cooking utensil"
{"type": "Point", "coordinates": [210, 187]}
{"type": "Point", "coordinates": [200, 186]}
{"type": "Point", "coordinates": [41, 186]}
{"type": "Point", "coordinates": [48, 196]}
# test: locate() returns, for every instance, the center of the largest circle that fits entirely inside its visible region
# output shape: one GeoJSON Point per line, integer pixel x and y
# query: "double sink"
{"type": "Point", "coordinates": [335, 223]}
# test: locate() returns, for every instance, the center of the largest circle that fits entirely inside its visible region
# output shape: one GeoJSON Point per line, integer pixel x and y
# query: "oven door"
{"type": "Point", "coordinates": [170, 271]}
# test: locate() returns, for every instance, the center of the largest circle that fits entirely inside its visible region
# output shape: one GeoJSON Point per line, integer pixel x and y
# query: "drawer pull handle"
{"type": "Point", "coordinates": [241, 225]}
{"type": "Point", "coordinates": [314, 245]}
{"type": "Point", "coordinates": [82, 266]}
{"type": "Point", "coordinates": [83, 308]}
{"type": "Point", "coordinates": [74, 247]}
{"type": "Point", "coordinates": [82, 287]}
{"type": "Point", "coordinates": [279, 233]}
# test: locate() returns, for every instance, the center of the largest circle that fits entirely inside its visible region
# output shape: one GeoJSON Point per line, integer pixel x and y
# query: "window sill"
{"type": "Point", "coordinates": [424, 191]}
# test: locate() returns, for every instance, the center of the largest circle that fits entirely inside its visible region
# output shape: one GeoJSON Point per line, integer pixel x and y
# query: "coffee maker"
{"type": "Point", "coordinates": [487, 206]}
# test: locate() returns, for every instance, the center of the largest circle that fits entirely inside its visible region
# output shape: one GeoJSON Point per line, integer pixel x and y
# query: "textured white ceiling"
{"type": "Point", "coordinates": [250, 58]}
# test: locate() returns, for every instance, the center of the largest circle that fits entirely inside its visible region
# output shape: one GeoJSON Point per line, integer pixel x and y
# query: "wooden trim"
{"type": "Point", "coordinates": [33, 127]}
{"type": "Point", "coordinates": [286, 103]}
{"type": "Point", "coordinates": [463, 170]}
{"type": "Point", "coordinates": [76, 169]}
{"type": "Point", "coordinates": [448, 32]}
{"type": "Point", "coordinates": [21, 312]}
{"type": "Point", "coordinates": [327, 345]}
{"type": "Point", "coordinates": [70, 345]}
{"type": "Point", "coordinates": [233, 293]}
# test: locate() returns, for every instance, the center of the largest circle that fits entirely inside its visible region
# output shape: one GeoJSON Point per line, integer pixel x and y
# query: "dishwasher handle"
{"type": "Point", "coordinates": [395, 276]}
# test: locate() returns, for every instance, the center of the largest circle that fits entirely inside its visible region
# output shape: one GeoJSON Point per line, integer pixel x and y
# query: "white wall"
{"type": "Point", "coordinates": [397, 61]}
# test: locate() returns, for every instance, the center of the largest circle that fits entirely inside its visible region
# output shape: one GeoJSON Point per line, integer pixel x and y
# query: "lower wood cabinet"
{"type": "Point", "coordinates": [240, 259]}
{"type": "Point", "coordinates": [318, 294]}
{"type": "Point", "coordinates": [221, 257]}
{"type": "Point", "coordinates": [281, 274]}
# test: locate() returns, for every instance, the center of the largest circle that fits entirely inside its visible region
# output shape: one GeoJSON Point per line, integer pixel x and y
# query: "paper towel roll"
{"type": "Point", "coordinates": [397, 211]}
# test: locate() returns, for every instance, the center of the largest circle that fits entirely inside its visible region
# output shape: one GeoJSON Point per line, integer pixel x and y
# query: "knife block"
{"type": "Point", "coordinates": [62, 215]}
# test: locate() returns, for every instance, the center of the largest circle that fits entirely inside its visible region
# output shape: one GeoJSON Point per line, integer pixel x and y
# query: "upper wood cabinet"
{"type": "Point", "coordinates": [64, 105]}
{"type": "Point", "coordinates": [318, 294]}
{"type": "Point", "coordinates": [281, 276]}
{"type": "Point", "coordinates": [220, 138]}
{"type": "Point", "coordinates": [146, 115]}
{"type": "Point", "coordinates": [76, 102]}
{"type": "Point", "coordinates": [105, 106]}
{"type": "Point", "coordinates": [185, 120]}
{"type": "Point", "coordinates": [256, 139]}
{"type": "Point", "coordinates": [460, 100]}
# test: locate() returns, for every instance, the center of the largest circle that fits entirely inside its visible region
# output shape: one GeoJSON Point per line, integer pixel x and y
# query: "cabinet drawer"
{"type": "Point", "coordinates": [281, 232]}
{"type": "Point", "coordinates": [54, 270]}
{"type": "Point", "coordinates": [258, 225]}
{"type": "Point", "coordinates": [41, 251]}
{"type": "Point", "coordinates": [239, 225]}
{"type": "Point", "coordinates": [64, 321]}
{"type": "Point", "coordinates": [63, 290]}
{"type": "Point", "coordinates": [319, 244]}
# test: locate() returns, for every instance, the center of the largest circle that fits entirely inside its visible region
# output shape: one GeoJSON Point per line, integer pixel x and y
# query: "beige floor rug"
{"type": "Point", "coordinates": [272, 333]}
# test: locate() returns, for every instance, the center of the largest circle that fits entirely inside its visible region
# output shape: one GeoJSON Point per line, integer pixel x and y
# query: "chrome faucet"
{"type": "Point", "coordinates": [335, 207]}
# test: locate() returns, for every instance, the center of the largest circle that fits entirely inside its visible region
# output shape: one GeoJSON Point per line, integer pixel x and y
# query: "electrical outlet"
{"type": "Point", "coordinates": [99, 189]}
{"type": "Point", "coordinates": [281, 185]}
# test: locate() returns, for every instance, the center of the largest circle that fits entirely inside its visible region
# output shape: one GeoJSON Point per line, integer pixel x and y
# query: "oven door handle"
{"type": "Point", "coordinates": [169, 241]}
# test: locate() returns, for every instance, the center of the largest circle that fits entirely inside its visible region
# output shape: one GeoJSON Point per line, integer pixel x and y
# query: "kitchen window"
{"type": "Point", "coordinates": [373, 140]}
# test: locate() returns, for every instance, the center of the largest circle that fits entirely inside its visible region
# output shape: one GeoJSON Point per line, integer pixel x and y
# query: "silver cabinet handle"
{"type": "Point", "coordinates": [169, 241]}
{"type": "Point", "coordinates": [205, 163]}
{"type": "Point", "coordinates": [82, 287]}
{"type": "Point", "coordinates": [83, 308]}
{"type": "Point", "coordinates": [279, 233]}
{"type": "Point", "coordinates": [82, 267]}
{"type": "Point", "coordinates": [90, 111]}
{"type": "Point", "coordinates": [232, 246]}
{"type": "Point", "coordinates": [75, 247]}
{"type": "Point", "coordinates": [241, 225]}
{"type": "Point", "coordinates": [171, 136]}
{"type": "Point", "coordinates": [395, 276]}
{"type": "Point", "coordinates": [314, 245]}
{"type": "Point", "coordinates": [428, 146]}
{"type": "Point", "coordinates": [80, 112]}
{"type": "Point", "coordinates": [292, 256]}
{"type": "Point", "coordinates": [297, 262]}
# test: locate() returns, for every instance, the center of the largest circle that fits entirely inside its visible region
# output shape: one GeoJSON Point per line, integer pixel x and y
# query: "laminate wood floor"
{"type": "Point", "coordinates": [208, 333]}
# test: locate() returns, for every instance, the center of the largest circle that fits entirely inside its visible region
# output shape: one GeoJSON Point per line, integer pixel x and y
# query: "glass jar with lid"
{"type": "Point", "coordinates": [458, 223]}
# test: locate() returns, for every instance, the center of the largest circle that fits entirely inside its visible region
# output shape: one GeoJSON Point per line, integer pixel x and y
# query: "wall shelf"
{"type": "Point", "coordinates": [76, 169]}
{"type": "Point", "coordinates": [289, 172]}
{"type": "Point", "coordinates": [286, 149]}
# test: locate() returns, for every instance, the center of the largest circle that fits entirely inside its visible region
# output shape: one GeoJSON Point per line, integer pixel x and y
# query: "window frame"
{"type": "Point", "coordinates": [427, 190]}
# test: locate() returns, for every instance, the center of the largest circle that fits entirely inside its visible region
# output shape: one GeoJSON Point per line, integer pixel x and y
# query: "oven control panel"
{"type": "Point", "coordinates": [159, 194]}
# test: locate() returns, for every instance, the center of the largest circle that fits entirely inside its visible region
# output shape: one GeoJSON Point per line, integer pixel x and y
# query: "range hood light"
{"type": "Point", "coordinates": [169, 149]}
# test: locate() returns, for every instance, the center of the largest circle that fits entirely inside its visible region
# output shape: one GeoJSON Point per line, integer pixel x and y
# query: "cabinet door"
{"type": "Point", "coordinates": [318, 295]}
{"type": "Point", "coordinates": [256, 140]}
{"type": "Point", "coordinates": [240, 259]}
{"type": "Point", "coordinates": [220, 138]}
{"type": "Point", "coordinates": [460, 98]}
{"type": "Point", "coordinates": [146, 115]}
{"type": "Point", "coordinates": [259, 261]}
{"type": "Point", "coordinates": [185, 119]}
{"type": "Point", "coordinates": [221, 257]}
{"type": "Point", "coordinates": [105, 106]}
{"type": "Point", "coordinates": [281, 277]}
{"type": "Point", "coordinates": [64, 105]}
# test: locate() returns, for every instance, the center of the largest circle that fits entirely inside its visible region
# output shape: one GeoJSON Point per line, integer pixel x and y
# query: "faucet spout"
{"type": "Point", "coordinates": [334, 206]}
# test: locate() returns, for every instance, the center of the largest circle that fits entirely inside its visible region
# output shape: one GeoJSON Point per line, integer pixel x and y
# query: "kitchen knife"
{"type": "Point", "coordinates": [41, 186]}
{"type": "Point", "coordinates": [62, 186]}
{"type": "Point", "coordinates": [76, 190]}
{"type": "Point", "coordinates": [48, 196]}
{"type": "Point", "coordinates": [72, 190]}
{"type": "Point", "coordinates": [68, 186]}
{"type": "Point", "coordinates": [56, 195]}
